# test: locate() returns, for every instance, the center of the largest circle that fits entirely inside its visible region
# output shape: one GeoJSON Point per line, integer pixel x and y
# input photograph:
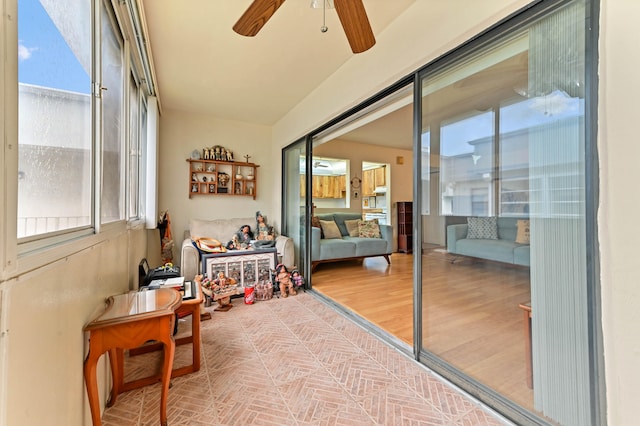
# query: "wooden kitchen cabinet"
{"type": "Point", "coordinates": [380, 176]}
{"type": "Point", "coordinates": [368, 182]}
{"type": "Point", "coordinates": [325, 186]}
{"type": "Point", "coordinates": [373, 178]}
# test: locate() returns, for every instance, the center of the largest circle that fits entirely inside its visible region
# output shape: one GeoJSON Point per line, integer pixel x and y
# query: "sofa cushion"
{"type": "Point", "coordinates": [369, 229]}
{"type": "Point", "coordinates": [522, 255]}
{"type": "Point", "coordinates": [219, 229]}
{"type": "Point", "coordinates": [337, 249]}
{"type": "Point", "coordinates": [341, 217]}
{"type": "Point", "coordinates": [523, 235]}
{"type": "Point", "coordinates": [352, 227]}
{"type": "Point", "coordinates": [368, 246]}
{"type": "Point", "coordinates": [330, 229]}
{"type": "Point", "coordinates": [485, 228]}
{"type": "Point", "coordinates": [498, 250]}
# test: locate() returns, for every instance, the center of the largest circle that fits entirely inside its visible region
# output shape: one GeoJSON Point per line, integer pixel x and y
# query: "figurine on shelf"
{"type": "Point", "coordinates": [238, 189]}
{"type": "Point", "coordinates": [205, 153]}
{"type": "Point", "coordinates": [229, 155]}
{"type": "Point", "coordinates": [194, 187]}
{"type": "Point", "coordinates": [194, 177]}
{"type": "Point", "coordinates": [283, 278]}
{"type": "Point", "coordinates": [223, 179]}
{"type": "Point", "coordinates": [217, 153]}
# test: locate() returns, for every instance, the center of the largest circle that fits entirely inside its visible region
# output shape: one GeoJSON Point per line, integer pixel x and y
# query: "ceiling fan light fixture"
{"type": "Point", "coordinates": [319, 4]}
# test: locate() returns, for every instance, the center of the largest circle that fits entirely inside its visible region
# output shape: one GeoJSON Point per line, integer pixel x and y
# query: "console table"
{"type": "Point", "coordinates": [128, 321]}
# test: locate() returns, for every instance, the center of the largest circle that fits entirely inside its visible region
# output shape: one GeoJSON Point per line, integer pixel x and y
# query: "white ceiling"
{"type": "Point", "coordinates": [203, 66]}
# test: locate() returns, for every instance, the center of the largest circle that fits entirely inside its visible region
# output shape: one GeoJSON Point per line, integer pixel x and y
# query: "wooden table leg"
{"type": "Point", "coordinates": [526, 308]}
{"type": "Point", "coordinates": [169, 352]}
{"type": "Point", "coordinates": [116, 360]}
{"type": "Point", "coordinates": [92, 385]}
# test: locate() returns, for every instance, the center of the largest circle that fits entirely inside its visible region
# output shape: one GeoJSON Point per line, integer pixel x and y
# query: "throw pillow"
{"type": "Point", "coordinates": [352, 227]}
{"type": "Point", "coordinates": [330, 229]}
{"type": "Point", "coordinates": [482, 228]}
{"type": "Point", "coordinates": [523, 236]}
{"type": "Point", "coordinates": [369, 229]}
{"type": "Point", "coordinates": [315, 222]}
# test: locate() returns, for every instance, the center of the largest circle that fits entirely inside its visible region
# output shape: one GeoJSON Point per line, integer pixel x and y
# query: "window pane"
{"type": "Point", "coordinates": [55, 185]}
{"type": "Point", "coordinates": [134, 148]}
{"type": "Point", "coordinates": [466, 164]}
{"type": "Point", "coordinates": [112, 101]}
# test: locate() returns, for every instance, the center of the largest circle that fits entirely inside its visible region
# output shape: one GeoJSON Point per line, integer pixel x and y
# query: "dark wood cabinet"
{"type": "Point", "coordinates": [405, 226]}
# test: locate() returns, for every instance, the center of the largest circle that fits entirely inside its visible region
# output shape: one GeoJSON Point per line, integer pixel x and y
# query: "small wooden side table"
{"type": "Point", "coordinates": [190, 306]}
{"type": "Point", "coordinates": [526, 309]}
{"type": "Point", "coordinates": [127, 322]}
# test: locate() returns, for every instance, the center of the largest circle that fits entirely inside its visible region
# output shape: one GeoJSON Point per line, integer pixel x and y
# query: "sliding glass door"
{"type": "Point", "coordinates": [504, 293]}
{"type": "Point", "coordinates": [294, 164]}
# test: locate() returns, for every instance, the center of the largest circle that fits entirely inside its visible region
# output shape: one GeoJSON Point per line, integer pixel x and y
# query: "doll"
{"type": "Point", "coordinates": [244, 237]}
{"type": "Point", "coordinates": [298, 280]}
{"type": "Point", "coordinates": [263, 231]}
{"type": "Point", "coordinates": [283, 277]}
{"type": "Point", "coordinates": [220, 285]}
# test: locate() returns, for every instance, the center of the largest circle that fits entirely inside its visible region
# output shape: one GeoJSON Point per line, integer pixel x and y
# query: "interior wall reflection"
{"type": "Point", "coordinates": [503, 146]}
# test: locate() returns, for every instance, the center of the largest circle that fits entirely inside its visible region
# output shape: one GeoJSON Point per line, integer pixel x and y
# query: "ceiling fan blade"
{"type": "Point", "coordinates": [254, 18]}
{"type": "Point", "coordinates": [355, 22]}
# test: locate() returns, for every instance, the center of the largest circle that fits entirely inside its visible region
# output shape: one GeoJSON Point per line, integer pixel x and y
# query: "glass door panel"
{"type": "Point", "coordinates": [503, 142]}
{"type": "Point", "coordinates": [294, 211]}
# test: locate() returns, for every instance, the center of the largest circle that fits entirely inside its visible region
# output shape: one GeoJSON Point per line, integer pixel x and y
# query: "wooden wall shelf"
{"type": "Point", "coordinates": [215, 177]}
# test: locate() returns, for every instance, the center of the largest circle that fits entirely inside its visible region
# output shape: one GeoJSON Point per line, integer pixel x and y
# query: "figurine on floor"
{"type": "Point", "coordinates": [283, 278]}
{"type": "Point", "coordinates": [298, 280]}
{"type": "Point", "coordinates": [220, 285]}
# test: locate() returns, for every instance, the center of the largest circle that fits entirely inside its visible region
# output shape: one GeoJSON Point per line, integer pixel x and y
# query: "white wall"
{"type": "Point", "coordinates": [42, 330]}
{"type": "Point", "coordinates": [180, 134]}
{"type": "Point", "coordinates": [619, 205]}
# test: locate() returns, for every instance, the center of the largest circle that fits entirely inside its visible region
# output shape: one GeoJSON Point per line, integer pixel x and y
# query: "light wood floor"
{"type": "Point", "coordinates": [471, 317]}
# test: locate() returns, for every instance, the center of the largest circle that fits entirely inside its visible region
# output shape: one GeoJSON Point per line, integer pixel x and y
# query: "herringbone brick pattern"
{"type": "Point", "coordinates": [293, 361]}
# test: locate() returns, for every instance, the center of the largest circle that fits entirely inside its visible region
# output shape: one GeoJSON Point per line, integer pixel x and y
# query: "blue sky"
{"type": "Point", "coordinates": [45, 59]}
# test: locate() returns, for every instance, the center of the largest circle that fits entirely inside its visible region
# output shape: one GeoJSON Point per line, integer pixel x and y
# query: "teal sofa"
{"type": "Point", "coordinates": [504, 249]}
{"type": "Point", "coordinates": [346, 248]}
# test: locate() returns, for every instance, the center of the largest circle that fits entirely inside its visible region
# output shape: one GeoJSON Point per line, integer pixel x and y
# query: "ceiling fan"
{"type": "Point", "coordinates": [352, 14]}
{"type": "Point", "coordinates": [317, 164]}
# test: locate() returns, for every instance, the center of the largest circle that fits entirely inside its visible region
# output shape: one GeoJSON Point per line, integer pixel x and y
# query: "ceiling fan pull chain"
{"type": "Point", "coordinates": [324, 27]}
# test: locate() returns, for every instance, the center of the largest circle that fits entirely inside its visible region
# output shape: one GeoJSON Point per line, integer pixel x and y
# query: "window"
{"type": "Point", "coordinates": [72, 133]}
{"type": "Point", "coordinates": [55, 144]}
{"type": "Point", "coordinates": [112, 94]}
{"type": "Point", "coordinates": [136, 123]}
